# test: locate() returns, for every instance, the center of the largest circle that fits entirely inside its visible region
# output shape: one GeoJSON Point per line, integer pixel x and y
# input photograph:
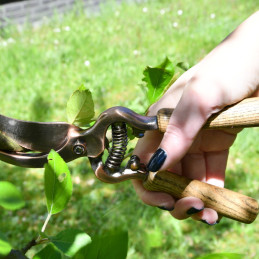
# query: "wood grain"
{"type": "Point", "coordinates": [241, 115]}
{"type": "Point", "coordinates": [226, 202]}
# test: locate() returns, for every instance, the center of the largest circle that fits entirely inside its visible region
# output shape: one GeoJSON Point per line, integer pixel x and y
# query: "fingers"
{"type": "Point", "coordinates": [208, 216]}
{"type": "Point", "coordinates": [147, 145]}
{"type": "Point", "coordinates": [194, 208]}
{"type": "Point", "coordinates": [216, 166]}
{"type": "Point", "coordinates": [162, 200]}
{"type": "Point", "coordinates": [207, 166]}
{"type": "Point", "coordinates": [186, 207]}
{"type": "Point", "coordinates": [182, 209]}
{"type": "Point", "coordinates": [190, 114]}
{"type": "Point", "coordinates": [215, 174]}
{"type": "Point", "coordinates": [194, 166]}
{"type": "Point", "coordinates": [144, 149]}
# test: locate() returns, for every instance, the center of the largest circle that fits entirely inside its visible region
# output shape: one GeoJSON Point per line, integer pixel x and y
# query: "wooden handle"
{"type": "Point", "coordinates": [241, 115]}
{"type": "Point", "coordinates": [227, 203]}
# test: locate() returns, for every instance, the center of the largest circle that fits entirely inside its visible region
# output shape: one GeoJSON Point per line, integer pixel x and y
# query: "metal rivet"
{"type": "Point", "coordinates": [134, 163]}
{"type": "Point", "coordinates": [79, 149]}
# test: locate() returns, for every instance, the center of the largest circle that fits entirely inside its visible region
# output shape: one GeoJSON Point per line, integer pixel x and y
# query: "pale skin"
{"type": "Point", "coordinates": [228, 74]}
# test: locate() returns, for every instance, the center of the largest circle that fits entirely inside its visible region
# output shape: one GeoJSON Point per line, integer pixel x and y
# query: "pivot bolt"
{"type": "Point", "coordinates": [79, 149]}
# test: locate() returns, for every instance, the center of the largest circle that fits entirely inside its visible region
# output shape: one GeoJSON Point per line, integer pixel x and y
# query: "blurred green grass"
{"type": "Point", "coordinates": [42, 66]}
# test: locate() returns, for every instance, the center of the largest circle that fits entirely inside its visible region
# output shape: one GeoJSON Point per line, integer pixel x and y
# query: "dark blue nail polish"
{"type": "Point", "coordinates": [157, 160]}
{"type": "Point", "coordinates": [210, 224]}
{"type": "Point", "coordinates": [193, 210]}
{"type": "Point", "coordinates": [165, 208]}
{"type": "Point", "coordinates": [140, 135]}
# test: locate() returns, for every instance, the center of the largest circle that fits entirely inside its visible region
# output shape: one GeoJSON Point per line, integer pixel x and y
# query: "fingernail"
{"type": "Point", "coordinates": [157, 160]}
{"type": "Point", "coordinates": [206, 222]}
{"type": "Point", "coordinates": [193, 210]}
{"type": "Point", "coordinates": [165, 208]}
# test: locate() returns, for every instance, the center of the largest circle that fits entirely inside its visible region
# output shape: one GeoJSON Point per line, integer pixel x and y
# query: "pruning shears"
{"type": "Point", "coordinates": [36, 139]}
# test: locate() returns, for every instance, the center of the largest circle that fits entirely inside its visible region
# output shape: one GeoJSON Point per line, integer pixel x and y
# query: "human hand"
{"type": "Point", "coordinates": [225, 76]}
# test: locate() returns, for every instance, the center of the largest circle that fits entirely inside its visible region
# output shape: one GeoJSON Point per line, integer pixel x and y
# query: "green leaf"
{"type": "Point", "coordinates": [10, 196]}
{"type": "Point", "coordinates": [222, 256]}
{"type": "Point", "coordinates": [80, 107]}
{"type": "Point", "coordinates": [48, 252]}
{"type": "Point", "coordinates": [58, 183]}
{"type": "Point", "coordinates": [109, 246]}
{"type": "Point", "coordinates": [168, 65]}
{"type": "Point", "coordinates": [70, 241]}
{"type": "Point", "coordinates": [157, 79]}
{"type": "Point", "coordinates": [183, 65]}
{"type": "Point", "coordinates": [5, 247]}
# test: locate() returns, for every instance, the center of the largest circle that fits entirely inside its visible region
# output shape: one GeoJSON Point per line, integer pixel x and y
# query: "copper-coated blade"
{"type": "Point", "coordinates": [37, 136]}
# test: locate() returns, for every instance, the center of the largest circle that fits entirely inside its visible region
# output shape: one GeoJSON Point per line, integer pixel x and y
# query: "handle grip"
{"type": "Point", "coordinates": [241, 115]}
{"type": "Point", "coordinates": [226, 202]}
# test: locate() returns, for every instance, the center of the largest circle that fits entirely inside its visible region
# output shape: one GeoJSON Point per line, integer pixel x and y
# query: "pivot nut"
{"type": "Point", "coordinates": [79, 149]}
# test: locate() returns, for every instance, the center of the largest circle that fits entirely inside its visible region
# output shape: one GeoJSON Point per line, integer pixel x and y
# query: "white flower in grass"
{"type": "Point", "coordinates": [4, 43]}
{"type": "Point", "coordinates": [238, 161]}
{"type": "Point", "coordinates": [77, 180]}
{"type": "Point", "coordinates": [87, 63]}
{"type": "Point", "coordinates": [10, 40]}
{"type": "Point", "coordinates": [117, 13]}
{"type": "Point", "coordinates": [56, 30]}
{"type": "Point", "coordinates": [175, 24]}
{"type": "Point", "coordinates": [136, 52]}
{"type": "Point", "coordinates": [67, 28]}
{"type": "Point", "coordinates": [90, 182]}
{"type": "Point", "coordinates": [56, 42]}
{"type": "Point", "coordinates": [162, 11]}
{"type": "Point", "coordinates": [212, 16]}
{"type": "Point", "coordinates": [180, 12]}
{"type": "Point", "coordinates": [144, 10]}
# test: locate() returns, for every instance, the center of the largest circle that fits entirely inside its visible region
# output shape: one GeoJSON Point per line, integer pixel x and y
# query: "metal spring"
{"type": "Point", "coordinates": [119, 147]}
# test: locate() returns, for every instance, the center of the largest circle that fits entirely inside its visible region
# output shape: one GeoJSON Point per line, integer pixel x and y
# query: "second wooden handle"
{"type": "Point", "coordinates": [226, 202]}
{"type": "Point", "coordinates": [241, 115]}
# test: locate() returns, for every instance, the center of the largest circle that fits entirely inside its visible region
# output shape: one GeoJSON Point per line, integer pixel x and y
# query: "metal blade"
{"type": "Point", "coordinates": [37, 136]}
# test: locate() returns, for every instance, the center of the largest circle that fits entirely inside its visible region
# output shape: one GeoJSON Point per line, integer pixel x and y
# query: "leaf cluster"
{"type": "Point", "coordinates": [72, 243]}
{"type": "Point", "coordinates": [157, 79]}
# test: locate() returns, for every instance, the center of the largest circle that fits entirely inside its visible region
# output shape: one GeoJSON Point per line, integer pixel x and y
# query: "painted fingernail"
{"type": "Point", "coordinates": [157, 160]}
{"type": "Point", "coordinates": [193, 210]}
{"type": "Point", "coordinates": [166, 208]}
{"type": "Point", "coordinates": [210, 224]}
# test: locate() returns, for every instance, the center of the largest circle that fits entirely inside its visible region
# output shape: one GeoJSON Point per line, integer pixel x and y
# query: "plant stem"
{"type": "Point", "coordinates": [46, 223]}
{"type": "Point", "coordinates": [29, 246]}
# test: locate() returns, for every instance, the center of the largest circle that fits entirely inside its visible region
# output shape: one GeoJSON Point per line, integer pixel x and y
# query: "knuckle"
{"type": "Point", "coordinates": [207, 93]}
{"type": "Point", "coordinates": [178, 135]}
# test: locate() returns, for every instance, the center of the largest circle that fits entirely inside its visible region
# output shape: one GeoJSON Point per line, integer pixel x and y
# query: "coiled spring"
{"type": "Point", "coordinates": [119, 147]}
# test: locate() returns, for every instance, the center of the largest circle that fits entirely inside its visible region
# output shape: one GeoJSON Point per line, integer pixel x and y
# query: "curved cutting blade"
{"type": "Point", "coordinates": [37, 136]}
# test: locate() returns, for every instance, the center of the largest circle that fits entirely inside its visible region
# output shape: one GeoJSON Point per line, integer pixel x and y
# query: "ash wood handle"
{"type": "Point", "coordinates": [241, 115]}
{"type": "Point", "coordinates": [226, 202]}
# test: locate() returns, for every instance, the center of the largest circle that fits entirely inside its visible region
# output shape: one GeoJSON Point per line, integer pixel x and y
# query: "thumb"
{"type": "Point", "coordinates": [192, 111]}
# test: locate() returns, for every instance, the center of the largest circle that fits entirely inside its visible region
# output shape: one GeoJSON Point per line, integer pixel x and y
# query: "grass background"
{"type": "Point", "coordinates": [107, 51]}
